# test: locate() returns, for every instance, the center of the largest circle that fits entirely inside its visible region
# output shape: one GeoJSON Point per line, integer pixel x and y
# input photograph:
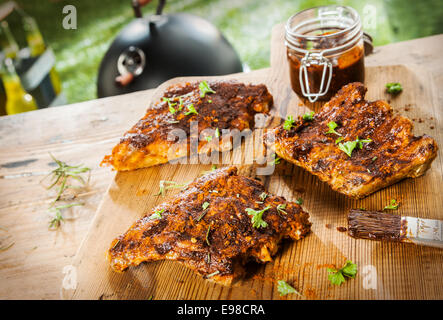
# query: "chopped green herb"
{"type": "Point", "coordinates": [212, 274]}
{"type": "Point", "coordinates": [299, 201]}
{"type": "Point", "coordinates": [238, 196]}
{"type": "Point", "coordinates": [166, 185]}
{"type": "Point", "coordinates": [349, 146]}
{"type": "Point", "coordinates": [191, 109]}
{"type": "Point", "coordinates": [275, 160]}
{"type": "Point", "coordinates": [170, 105]}
{"type": "Point", "coordinates": [281, 208]}
{"type": "Point", "coordinates": [156, 215]}
{"type": "Point", "coordinates": [204, 89]}
{"type": "Point", "coordinates": [337, 277]}
{"type": "Point", "coordinates": [257, 221]}
{"type": "Point", "coordinates": [173, 121]}
{"type": "Point", "coordinates": [332, 125]}
{"type": "Point", "coordinates": [205, 205]}
{"type": "Point", "coordinates": [373, 159]}
{"type": "Point", "coordinates": [394, 88]}
{"type": "Point", "coordinates": [210, 101]}
{"type": "Point", "coordinates": [289, 122]}
{"type": "Point", "coordinates": [308, 116]}
{"type": "Point", "coordinates": [263, 196]}
{"type": "Point", "coordinates": [338, 140]}
{"type": "Point", "coordinates": [392, 206]}
{"type": "Point", "coordinates": [209, 138]}
{"type": "Point", "coordinates": [180, 103]}
{"type": "Point", "coordinates": [284, 288]}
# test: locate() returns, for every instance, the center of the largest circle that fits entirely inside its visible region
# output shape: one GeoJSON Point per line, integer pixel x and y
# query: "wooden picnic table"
{"type": "Point", "coordinates": [82, 133]}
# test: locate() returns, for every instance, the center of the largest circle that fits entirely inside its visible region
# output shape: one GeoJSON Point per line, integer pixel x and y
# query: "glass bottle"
{"type": "Point", "coordinates": [17, 99]}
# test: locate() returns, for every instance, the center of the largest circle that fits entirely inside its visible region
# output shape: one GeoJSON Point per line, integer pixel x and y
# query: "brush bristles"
{"type": "Point", "coordinates": [374, 225]}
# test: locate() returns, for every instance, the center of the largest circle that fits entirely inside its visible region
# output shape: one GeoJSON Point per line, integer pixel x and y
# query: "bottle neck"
{"type": "Point", "coordinates": [7, 41]}
{"type": "Point", "coordinates": [34, 37]}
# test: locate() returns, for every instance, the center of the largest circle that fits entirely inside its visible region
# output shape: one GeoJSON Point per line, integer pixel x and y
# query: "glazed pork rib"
{"type": "Point", "coordinates": [214, 105]}
{"type": "Point", "coordinates": [369, 150]}
{"type": "Point", "coordinates": [214, 226]}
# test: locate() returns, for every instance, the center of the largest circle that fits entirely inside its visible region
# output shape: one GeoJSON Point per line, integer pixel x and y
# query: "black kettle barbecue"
{"type": "Point", "coordinates": [153, 49]}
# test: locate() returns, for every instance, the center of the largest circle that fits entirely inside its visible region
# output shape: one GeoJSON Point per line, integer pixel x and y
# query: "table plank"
{"type": "Point", "coordinates": [82, 133]}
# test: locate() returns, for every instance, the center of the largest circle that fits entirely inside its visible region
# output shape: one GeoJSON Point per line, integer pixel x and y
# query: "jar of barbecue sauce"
{"type": "Point", "coordinates": [325, 51]}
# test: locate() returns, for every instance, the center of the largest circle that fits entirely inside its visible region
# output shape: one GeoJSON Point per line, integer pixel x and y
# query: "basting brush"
{"type": "Point", "coordinates": [377, 225]}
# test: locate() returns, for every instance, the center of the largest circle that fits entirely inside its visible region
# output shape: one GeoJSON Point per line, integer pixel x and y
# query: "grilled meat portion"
{"type": "Point", "coordinates": [227, 105]}
{"type": "Point", "coordinates": [386, 152]}
{"type": "Point", "coordinates": [208, 228]}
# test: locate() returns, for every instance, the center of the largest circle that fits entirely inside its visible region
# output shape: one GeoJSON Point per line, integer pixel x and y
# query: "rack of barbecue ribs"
{"type": "Point", "coordinates": [213, 226]}
{"type": "Point", "coordinates": [214, 105]}
{"type": "Point", "coordinates": [356, 146]}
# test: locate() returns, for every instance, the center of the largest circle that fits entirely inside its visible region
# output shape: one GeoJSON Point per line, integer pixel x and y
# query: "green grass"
{"type": "Point", "coordinates": [246, 24]}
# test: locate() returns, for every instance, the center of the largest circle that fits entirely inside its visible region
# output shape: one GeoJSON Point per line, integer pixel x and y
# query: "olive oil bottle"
{"type": "Point", "coordinates": [17, 99]}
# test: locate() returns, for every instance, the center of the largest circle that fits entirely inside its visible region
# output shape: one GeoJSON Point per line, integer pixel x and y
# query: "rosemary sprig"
{"type": "Point", "coordinates": [6, 247]}
{"type": "Point", "coordinates": [61, 175]}
{"type": "Point", "coordinates": [58, 218]}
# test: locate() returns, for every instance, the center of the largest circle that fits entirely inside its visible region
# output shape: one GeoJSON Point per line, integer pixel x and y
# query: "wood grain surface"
{"type": "Point", "coordinates": [34, 267]}
{"type": "Point", "coordinates": [386, 270]}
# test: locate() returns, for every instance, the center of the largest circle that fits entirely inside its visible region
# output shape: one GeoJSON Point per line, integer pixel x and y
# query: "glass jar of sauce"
{"type": "Point", "coordinates": [325, 51]}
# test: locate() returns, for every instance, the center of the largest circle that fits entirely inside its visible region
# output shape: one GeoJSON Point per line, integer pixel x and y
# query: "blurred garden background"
{"type": "Point", "coordinates": [246, 24]}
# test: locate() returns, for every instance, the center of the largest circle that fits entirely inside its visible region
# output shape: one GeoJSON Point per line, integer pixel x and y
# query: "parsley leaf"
{"type": "Point", "coordinates": [337, 277]}
{"type": "Point", "coordinates": [170, 105]}
{"type": "Point", "coordinates": [299, 201]}
{"type": "Point", "coordinates": [308, 116]}
{"type": "Point", "coordinates": [281, 208]}
{"type": "Point", "coordinates": [263, 196]}
{"type": "Point", "coordinates": [284, 288]}
{"type": "Point", "coordinates": [156, 215]}
{"type": "Point", "coordinates": [392, 206]}
{"type": "Point", "coordinates": [349, 146]}
{"type": "Point", "coordinates": [191, 109]}
{"type": "Point", "coordinates": [289, 122]}
{"type": "Point", "coordinates": [332, 125]}
{"type": "Point", "coordinates": [257, 221]}
{"type": "Point", "coordinates": [275, 160]}
{"type": "Point", "coordinates": [209, 138]}
{"type": "Point", "coordinates": [205, 205]}
{"type": "Point", "coordinates": [349, 270]}
{"type": "Point", "coordinates": [204, 89]}
{"type": "Point", "coordinates": [394, 88]}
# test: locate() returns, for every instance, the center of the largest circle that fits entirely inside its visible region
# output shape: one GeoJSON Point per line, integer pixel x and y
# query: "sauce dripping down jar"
{"type": "Point", "coordinates": [325, 51]}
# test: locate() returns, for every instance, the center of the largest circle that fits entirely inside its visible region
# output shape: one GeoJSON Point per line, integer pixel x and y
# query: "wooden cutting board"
{"type": "Point", "coordinates": [386, 270]}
